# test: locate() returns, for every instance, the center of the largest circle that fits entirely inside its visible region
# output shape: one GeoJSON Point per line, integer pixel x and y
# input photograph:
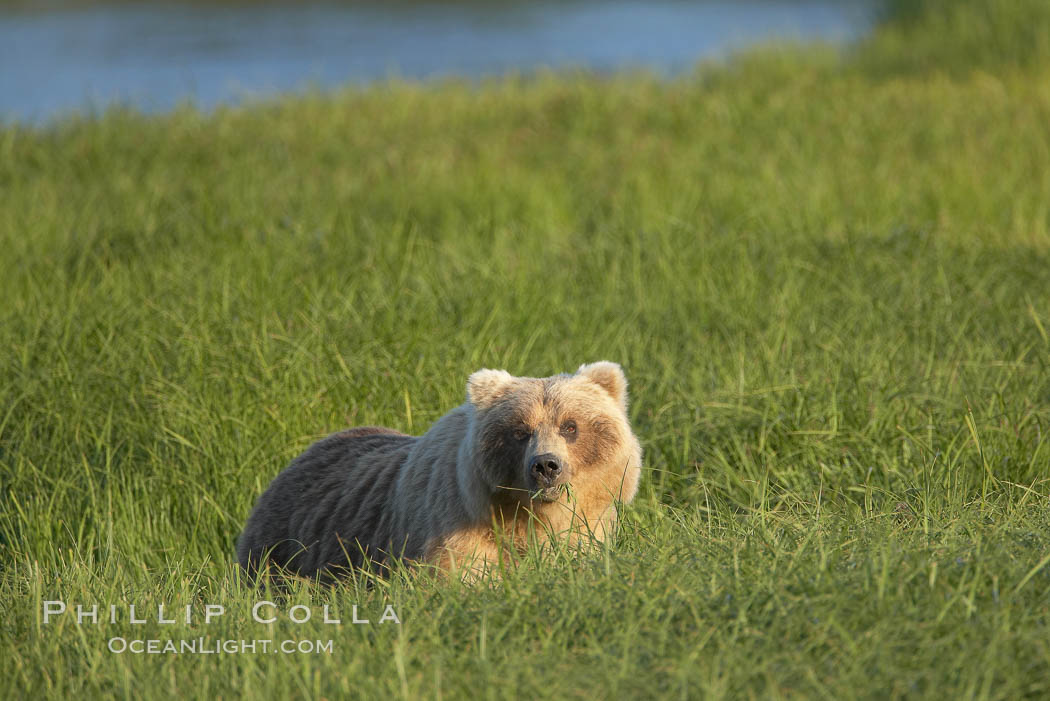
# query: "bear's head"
{"type": "Point", "coordinates": [555, 444]}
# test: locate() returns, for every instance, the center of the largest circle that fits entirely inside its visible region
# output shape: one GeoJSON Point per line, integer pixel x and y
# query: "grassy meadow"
{"type": "Point", "coordinates": [826, 272]}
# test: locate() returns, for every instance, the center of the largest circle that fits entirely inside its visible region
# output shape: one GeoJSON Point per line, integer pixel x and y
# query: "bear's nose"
{"type": "Point", "coordinates": [545, 468]}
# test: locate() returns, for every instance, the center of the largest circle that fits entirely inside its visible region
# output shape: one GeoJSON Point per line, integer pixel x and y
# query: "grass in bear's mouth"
{"type": "Point", "coordinates": [550, 494]}
{"type": "Point", "coordinates": [825, 276]}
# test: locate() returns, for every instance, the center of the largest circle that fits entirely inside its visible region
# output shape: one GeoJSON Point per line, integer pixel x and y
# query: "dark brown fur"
{"type": "Point", "coordinates": [311, 517]}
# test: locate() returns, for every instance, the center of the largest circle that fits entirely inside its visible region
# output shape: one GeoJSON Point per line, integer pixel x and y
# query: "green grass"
{"type": "Point", "coordinates": [827, 275]}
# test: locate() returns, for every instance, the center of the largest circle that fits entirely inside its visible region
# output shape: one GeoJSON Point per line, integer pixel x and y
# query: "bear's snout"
{"type": "Point", "coordinates": [545, 469]}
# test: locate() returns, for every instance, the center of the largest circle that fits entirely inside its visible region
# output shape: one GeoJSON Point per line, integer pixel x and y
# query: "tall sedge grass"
{"type": "Point", "coordinates": [824, 271]}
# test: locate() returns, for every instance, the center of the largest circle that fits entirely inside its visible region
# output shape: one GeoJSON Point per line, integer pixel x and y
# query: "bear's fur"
{"type": "Point", "coordinates": [522, 456]}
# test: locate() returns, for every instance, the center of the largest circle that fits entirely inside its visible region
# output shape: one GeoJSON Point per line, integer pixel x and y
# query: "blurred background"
{"type": "Point", "coordinates": [70, 56]}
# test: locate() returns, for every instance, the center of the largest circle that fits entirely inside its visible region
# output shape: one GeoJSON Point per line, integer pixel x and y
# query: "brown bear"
{"type": "Point", "coordinates": [521, 457]}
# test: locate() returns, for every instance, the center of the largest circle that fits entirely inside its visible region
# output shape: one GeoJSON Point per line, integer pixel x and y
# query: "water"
{"type": "Point", "coordinates": [85, 56]}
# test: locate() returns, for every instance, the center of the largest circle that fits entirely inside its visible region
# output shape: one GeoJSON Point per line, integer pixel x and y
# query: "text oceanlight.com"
{"type": "Point", "coordinates": [208, 646]}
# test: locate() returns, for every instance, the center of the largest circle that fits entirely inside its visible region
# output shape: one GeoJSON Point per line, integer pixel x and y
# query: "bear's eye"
{"type": "Point", "coordinates": [521, 433]}
{"type": "Point", "coordinates": [569, 428]}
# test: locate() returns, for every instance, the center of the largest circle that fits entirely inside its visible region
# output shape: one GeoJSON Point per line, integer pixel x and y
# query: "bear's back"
{"type": "Point", "coordinates": [329, 508]}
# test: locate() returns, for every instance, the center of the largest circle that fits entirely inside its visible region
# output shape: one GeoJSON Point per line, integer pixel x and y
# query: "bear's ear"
{"type": "Point", "coordinates": [608, 376]}
{"type": "Point", "coordinates": [486, 386]}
